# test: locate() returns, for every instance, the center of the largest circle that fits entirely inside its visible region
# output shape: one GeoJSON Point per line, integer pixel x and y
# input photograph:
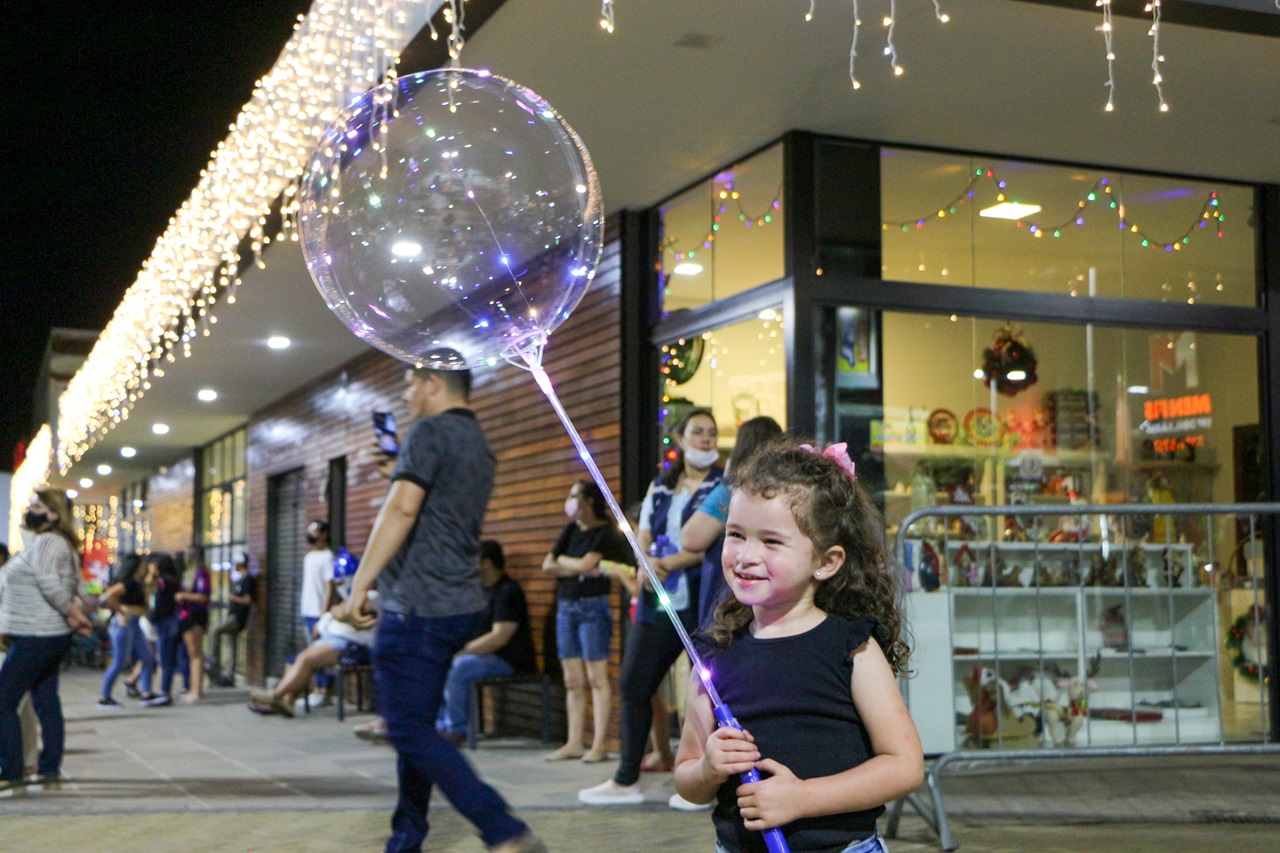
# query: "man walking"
{"type": "Point", "coordinates": [423, 553]}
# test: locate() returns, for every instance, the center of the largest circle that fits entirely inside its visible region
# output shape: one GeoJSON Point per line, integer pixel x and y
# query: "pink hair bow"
{"type": "Point", "coordinates": [837, 453]}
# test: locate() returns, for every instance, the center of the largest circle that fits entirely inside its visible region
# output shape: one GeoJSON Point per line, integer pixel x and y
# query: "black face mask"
{"type": "Point", "coordinates": [312, 539]}
{"type": "Point", "coordinates": [35, 520]}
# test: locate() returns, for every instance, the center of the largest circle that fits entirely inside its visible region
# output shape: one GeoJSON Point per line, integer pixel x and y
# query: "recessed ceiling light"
{"type": "Point", "coordinates": [104, 470]}
{"type": "Point", "coordinates": [86, 483]}
{"type": "Point", "coordinates": [1138, 389]}
{"type": "Point", "coordinates": [278, 342]}
{"type": "Point", "coordinates": [128, 452]}
{"type": "Point", "coordinates": [767, 314]}
{"type": "Point", "coordinates": [1009, 210]}
{"type": "Point", "coordinates": [73, 494]}
{"type": "Point", "coordinates": [406, 249]}
{"type": "Point", "coordinates": [687, 268]}
{"type": "Point", "coordinates": [208, 395]}
{"type": "Point", "coordinates": [160, 429]}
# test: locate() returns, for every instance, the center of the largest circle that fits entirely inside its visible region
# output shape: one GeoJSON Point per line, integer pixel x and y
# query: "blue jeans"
{"type": "Point", "coordinates": [584, 627]}
{"type": "Point", "coordinates": [457, 688]}
{"type": "Point", "coordinates": [167, 643]}
{"type": "Point", "coordinates": [127, 642]}
{"type": "Point", "coordinates": [411, 660]}
{"type": "Point", "coordinates": [32, 665]}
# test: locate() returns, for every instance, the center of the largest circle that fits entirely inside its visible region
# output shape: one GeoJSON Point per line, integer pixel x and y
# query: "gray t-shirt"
{"type": "Point", "coordinates": [435, 572]}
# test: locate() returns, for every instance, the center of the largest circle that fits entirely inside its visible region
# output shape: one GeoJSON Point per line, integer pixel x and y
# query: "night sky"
{"type": "Point", "coordinates": [112, 109]}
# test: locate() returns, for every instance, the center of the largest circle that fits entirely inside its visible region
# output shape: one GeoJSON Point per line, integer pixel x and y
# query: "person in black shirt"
{"type": "Point", "coordinates": [127, 599]}
{"type": "Point", "coordinates": [584, 621]}
{"type": "Point", "coordinates": [503, 646]}
{"type": "Point", "coordinates": [239, 603]}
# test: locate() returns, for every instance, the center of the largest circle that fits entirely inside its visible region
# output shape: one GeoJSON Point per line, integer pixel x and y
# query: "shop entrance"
{"type": "Point", "coordinates": [285, 524]}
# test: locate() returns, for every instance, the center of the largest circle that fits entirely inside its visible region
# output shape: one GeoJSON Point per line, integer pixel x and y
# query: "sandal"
{"type": "Point", "coordinates": [654, 763]}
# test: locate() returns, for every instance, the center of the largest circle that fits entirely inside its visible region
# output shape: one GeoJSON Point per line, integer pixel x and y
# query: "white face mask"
{"type": "Point", "coordinates": [701, 458]}
{"type": "Point", "coordinates": [571, 507]}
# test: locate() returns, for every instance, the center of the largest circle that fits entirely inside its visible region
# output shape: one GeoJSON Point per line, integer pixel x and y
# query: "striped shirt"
{"type": "Point", "coordinates": [37, 587]}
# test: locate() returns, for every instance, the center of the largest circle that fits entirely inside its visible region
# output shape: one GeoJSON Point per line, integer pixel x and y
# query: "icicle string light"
{"type": "Point", "coordinates": [606, 15]}
{"type": "Point", "coordinates": [32, 474]}
{"type": "Point", "coordinates": [1157, 79]}
{"type": "Point", "coordinates": [853, 48]}
{"type": "Point", "coordinates": [1105, 29]}
{"type": "Point", "coordinates": [890, 49]}
{"type": "Point", "coordinates": [1101, 191]}
{"type": "Point", "coordinates": [337, 52]}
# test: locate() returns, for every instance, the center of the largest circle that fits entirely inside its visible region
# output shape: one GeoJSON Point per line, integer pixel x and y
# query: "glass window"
{"type": "Point", "coordinates": [737, 371]}
{"type": "Point", "coordinates": [223, 501]}
{"type": "Point", "coordinates": [1049, 415]}
{"type": "Point", "coordinates": [967, 220]}
{"type": "Point", "coordinates": [724, 235]}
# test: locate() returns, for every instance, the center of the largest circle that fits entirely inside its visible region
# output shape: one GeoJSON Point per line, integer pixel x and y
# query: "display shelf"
{"type": "Point", "coordinates": [1156, 676]}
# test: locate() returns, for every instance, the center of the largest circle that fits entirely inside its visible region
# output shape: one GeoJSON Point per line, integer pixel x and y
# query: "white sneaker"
{"type": "Point", "coordinates": [679, 802]}
{"type": "Point", "coordinates": [318, 699]}
{"type": "Point", "coordinates": [612, 794]}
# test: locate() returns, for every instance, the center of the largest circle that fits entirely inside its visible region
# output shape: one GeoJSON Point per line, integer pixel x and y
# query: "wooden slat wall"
{"type": "Point", "coordinates": [537, 463]}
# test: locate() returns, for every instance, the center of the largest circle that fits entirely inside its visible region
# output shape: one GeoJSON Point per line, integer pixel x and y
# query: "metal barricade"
{"type": "Point", "coordinates": [1130, 593]}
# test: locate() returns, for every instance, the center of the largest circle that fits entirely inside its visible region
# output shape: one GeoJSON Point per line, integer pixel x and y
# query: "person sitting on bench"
{"type": "Point", "coordinates": [503, 647]}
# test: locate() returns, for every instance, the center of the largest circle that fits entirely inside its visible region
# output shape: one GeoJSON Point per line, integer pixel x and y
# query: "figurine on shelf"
{"type": "Point", "coordinates": [930, 568]}
{"type": "Point", "coordinates": [1171, 569]}
{"type": "Point", "coordinates": [964, 567]}
{"type": "Point", "coordinates": [1111, 573]}
{"type": "Point", "coordinates": [996, 573]}
{"type": "Point", "coordinates": [1096, 573]}
{"type": "Point", "coordinates": [1159, 492]}
{"type": "Point", "coordinates": [993, 722]}
{"type": "Point", "coordinates": [1065, 715]}
{"type": "Point", "coordinates": [1136, 570]}
{"type": "Point", "coordinates": [1115, 631]}
{"type": "Point", "coordinates": [1014, 531]}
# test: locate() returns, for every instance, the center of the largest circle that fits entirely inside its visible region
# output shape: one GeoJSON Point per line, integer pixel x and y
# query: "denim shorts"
{"type": "Point", "coordinates": [584, 627]}
{"type": "Point", "coordinates": [874, 844]}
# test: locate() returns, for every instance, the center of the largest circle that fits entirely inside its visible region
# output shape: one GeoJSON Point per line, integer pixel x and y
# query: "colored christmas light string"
{"type": "Point", "coordinates": [1102, 188]}
{"type": "Point", "coordinates": [726, 194]}
{"type": "Point", "coordinates": [532, 358]}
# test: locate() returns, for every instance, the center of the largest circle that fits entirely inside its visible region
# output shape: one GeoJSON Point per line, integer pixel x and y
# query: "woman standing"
{"type": "Point", "coordinates": [653, 644]}
{"type": "Point", "coordinates": [193, 621]}
{"type": "Point", "coordinates": [584, 622]}
{"type": "Point", "coordinates": [39, 610]}
{"type": "Point", "coordinates": [127, 600]}
{"type": "Point", "coordinates": [164, 581]}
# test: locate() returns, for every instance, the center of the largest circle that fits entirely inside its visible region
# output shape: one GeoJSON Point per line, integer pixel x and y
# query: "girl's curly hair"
{"type": "Point", "coordinates": [830, 508]}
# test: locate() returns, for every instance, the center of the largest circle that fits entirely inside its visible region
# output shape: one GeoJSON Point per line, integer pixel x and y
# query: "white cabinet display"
{"type": "Point", "coordinates": [1061, 644]}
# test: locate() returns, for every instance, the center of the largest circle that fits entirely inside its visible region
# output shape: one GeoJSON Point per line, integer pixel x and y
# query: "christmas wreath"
{"type": "Point", "coordinates": [1009, 364]}
{"type": "Point", "coordinates": [1240, 629]}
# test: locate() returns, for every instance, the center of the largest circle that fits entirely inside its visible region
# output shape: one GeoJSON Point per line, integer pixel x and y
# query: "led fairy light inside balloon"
{"type": "Point", "coordinates": [1157, 78]}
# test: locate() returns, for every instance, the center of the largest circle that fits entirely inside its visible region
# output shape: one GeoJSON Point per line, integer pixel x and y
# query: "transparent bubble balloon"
{"type": "Point", "coordinates": [452, 219]}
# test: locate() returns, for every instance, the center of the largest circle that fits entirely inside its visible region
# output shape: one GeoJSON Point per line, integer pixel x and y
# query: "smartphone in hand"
{"type": "Point", "coordinates": [384, 432]}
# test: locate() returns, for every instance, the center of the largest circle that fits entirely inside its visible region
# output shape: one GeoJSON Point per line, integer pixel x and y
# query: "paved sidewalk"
{"type": "Point", "coordinates": [215, 777]}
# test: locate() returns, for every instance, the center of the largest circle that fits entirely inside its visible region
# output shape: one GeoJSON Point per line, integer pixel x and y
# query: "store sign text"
{"type": "Point", "coordinates": [1175, 416]}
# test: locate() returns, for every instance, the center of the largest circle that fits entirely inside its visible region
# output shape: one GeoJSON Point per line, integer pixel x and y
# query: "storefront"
{"type": "Point", "coordinates": [988, 331]}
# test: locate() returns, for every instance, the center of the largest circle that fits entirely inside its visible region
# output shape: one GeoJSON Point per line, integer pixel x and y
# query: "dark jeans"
{"type": "Point", "coordinates": [411, 659]}
{"type": "Point", "coordinates": [32, 665]}
{"type": "Point", "coordinates": [167, 642]}
{"type": "Point", "coordinates": [650, 652]}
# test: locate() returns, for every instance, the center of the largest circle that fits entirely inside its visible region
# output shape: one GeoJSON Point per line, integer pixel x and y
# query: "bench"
{"type": "Point", "coordinates": [475, 702]}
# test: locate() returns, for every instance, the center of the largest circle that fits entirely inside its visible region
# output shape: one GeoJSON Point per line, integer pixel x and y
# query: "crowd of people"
{"type": "Point", "coordinates": [774, 563]}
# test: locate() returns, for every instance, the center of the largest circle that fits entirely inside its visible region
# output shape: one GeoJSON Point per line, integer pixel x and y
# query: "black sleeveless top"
{"type": "Point", "coordinates": [792, 694]}
{"type": "Point", "coordinates": [134, 594]}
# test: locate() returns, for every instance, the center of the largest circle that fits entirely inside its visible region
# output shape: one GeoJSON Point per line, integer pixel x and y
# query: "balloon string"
{"type": "Point", "coordinates": [544, 382]}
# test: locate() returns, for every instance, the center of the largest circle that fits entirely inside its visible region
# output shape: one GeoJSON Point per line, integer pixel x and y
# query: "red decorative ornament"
{"type": "Point", "coordinates": [1009, 364]}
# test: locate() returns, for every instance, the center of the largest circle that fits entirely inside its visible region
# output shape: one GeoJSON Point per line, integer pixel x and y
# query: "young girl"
{"type": "Point", "coordinates": [806, 655]}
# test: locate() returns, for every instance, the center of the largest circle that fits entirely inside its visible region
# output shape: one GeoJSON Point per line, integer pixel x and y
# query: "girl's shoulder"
{"type": "Point", "coordinates": [856, 631]}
